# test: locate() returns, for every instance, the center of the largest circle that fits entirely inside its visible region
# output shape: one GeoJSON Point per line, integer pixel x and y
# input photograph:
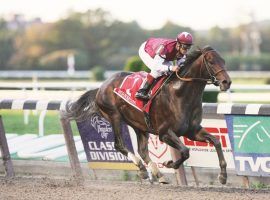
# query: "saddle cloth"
{"type": "Point", "coordinates": [131, 84]}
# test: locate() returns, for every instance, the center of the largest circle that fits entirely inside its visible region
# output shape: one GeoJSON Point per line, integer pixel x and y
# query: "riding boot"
{"type": "Point", "coordinates": [143, 93]}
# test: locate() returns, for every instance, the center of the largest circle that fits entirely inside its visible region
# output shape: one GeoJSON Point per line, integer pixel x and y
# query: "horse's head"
{"type": "Point", "coordinates": [215, 67]}
{"type": "Point", "coordinates": [207, 65]}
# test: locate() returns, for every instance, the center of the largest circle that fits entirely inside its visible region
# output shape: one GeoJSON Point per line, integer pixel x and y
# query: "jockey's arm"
{"type": "Point", "coordinates": [162, 65]}
{"type": "Point", "coordinates": [181, 61]}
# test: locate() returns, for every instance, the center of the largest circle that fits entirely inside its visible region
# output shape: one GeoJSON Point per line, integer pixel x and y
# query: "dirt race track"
{"type": "Point", "coordinates": [44, 188]}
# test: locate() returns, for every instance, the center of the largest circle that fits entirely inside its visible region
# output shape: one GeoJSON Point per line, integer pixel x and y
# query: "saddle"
{"type": "Point", "coordinates": [131, 84]}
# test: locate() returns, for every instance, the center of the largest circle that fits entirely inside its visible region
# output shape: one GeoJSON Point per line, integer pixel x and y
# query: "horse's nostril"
{"type": "Point", "coordinates": [224, 82]}
{"type": "Point", "coordinates": [227, 82]}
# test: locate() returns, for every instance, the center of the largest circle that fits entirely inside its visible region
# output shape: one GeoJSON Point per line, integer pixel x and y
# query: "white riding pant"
{"type": "Point", "coordinates": [157, 65]}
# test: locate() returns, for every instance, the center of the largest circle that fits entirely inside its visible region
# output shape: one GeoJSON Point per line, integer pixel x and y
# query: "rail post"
{"type": "Point", "coordinates": [71, 148]}
{"type": "Point", "coordinates": [5, 152]}
{"type": "Point", "coordinates": [195, 175]}
{"type": "Point", "coordinates": [180, 172]}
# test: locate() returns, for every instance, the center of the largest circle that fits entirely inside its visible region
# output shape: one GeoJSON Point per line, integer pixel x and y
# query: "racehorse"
{"type": "Point", "coordinates": [176, 110]}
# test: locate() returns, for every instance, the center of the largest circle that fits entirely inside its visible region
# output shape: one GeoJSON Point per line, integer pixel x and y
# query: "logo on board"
{"type": "Point", "coordinates": [251, 135]}
{"type": "Point", "coordinates": [250, 139]}
{"type": "Point", "coordinates": [99, 143]}
{"type": "Point", "coordinates": [101, 125]}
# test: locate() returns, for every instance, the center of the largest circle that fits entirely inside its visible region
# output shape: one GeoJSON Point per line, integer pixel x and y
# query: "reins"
{"type": "Point", "coordinates": [192, 79]}
{"type": "Point", "coordinates": [152, 97]}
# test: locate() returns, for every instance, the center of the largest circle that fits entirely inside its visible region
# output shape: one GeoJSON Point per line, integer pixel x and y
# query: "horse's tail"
{"type": "Point", "coordinates": [83, 108]}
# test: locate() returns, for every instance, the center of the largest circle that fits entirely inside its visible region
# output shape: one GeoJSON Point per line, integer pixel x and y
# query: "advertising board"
{"type": "Point", "coordinates": [250, 139]}
{"type": "Point", "coordinates": [98, 140]}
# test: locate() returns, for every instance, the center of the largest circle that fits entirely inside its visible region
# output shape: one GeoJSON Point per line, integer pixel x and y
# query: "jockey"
{"type": "Point", "coordinates": [158, 55]}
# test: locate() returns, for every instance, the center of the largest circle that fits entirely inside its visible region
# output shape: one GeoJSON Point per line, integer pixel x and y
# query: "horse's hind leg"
{"type": "Point", "coordinates": [142, 148]}
{"type": "Point", "coordinates": [203, 136]}
{"type": "Point", "coordinates": [119, 143]}
{"type": "Point", "coordinates": [142, 140]}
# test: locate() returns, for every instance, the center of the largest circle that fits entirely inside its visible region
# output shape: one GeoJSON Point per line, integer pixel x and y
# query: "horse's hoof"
{"type": "Point", "coordinates": [222, 179]}
{"type": "Point", "coordinates": [163, 180]}
{"type": "Point", "coordinates": [168, 164]}
{"type": "Point", "coordinates": [151, 181]}
{"type": "Point", "coordinates": [143, 174]}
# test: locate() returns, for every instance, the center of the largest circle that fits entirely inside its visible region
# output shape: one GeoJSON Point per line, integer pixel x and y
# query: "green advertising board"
{"type": "Point", "coordinates": [250, 140]}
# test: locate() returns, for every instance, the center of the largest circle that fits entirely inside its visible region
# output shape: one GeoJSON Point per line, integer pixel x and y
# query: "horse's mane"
{"type": "Point", "coordinates": [193, 55]}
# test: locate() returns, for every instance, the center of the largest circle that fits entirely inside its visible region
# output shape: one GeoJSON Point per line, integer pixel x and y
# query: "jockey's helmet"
{"type": "Point", "coordinates": [185, 38]}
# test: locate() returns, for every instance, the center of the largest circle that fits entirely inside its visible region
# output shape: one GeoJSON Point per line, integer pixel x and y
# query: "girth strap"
{"type": "Point", "coordinates": [148, 122]}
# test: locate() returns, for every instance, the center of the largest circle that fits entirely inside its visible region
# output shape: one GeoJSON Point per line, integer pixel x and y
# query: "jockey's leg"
{"type": "Point", "coordinates": [151, 64]}
{"type": "Point", "coordinates": [146, 85]}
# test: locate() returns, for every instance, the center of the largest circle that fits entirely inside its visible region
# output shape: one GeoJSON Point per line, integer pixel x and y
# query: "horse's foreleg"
{"type": "Point", "coordinates": [172, 140]}
{"type": "Point", "coordinates": [204, 136]}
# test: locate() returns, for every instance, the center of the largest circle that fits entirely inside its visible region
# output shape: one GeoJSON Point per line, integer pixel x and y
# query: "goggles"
{"type": "Point", "coordinates": [185, 46]}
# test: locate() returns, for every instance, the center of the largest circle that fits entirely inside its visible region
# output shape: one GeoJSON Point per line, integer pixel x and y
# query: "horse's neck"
{"type": "Point", "coordinates": [191, 90]}
{"type": "Point", "coordinates": [195, 71]}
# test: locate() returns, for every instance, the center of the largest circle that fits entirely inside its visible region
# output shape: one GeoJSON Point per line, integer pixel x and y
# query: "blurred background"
{"type": "Point", "coordinates": [47, 35]}
{"type": "Point", "coordinates": [55, 50]}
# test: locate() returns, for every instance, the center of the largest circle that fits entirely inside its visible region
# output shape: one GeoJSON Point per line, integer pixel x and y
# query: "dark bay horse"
{"type": "Point", "coordinates": [176, 110]}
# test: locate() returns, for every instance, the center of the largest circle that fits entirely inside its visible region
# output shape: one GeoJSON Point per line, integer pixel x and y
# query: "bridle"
{"type": "Point", "coordinates": [209, 68]}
